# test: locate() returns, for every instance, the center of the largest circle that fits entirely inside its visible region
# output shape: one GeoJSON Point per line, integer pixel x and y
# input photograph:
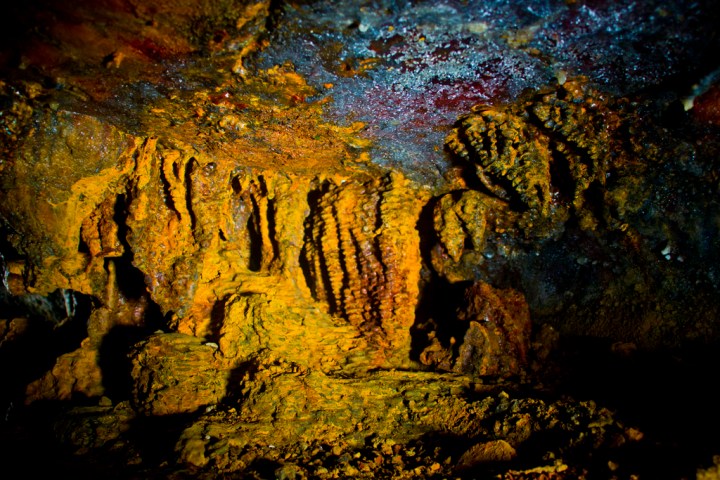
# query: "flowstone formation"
{"type": "Point", "coordinates": [221, 257]}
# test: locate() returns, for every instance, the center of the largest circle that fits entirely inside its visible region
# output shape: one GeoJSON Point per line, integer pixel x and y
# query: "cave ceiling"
{"type": "Point", "coordinates": [374, 87]}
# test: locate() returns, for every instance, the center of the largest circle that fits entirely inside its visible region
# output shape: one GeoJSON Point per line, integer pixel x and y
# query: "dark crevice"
{"type": "Point", "coordinates": [275, 14]}
{"type": "Point", "coordinates": [540, 193]}
{"type": "Point", "coordinates": [266, 468]}
{"type": "Point", "coordinates": [437, 314]}
{"type": "Point", "coordinates": [56, 325]}
{"type": "Point", "coordinates": [594, 197]}
{"type": "Point", "coordinates": [494, 185]}
{"type": "Point", "coordinates": [468, 241]}
{"type": "Point", "coordinates": [238, 377]}
{"type": "Point", "coordinates": [426, 227]}
{"type": "Point", "coordinates": [236, 185]}
{"type": "Point", "coordinates": [570, 149]}
{"type": "Point", "coordinates": [439, 300]}
{"type": "Point", "coordinates": [561, 178]}
{"type": "Point", "coordinates": [343, 262]}
{"type": "Point", "coordinates": [272, 228]}
{"type": "Point", "coordinates": [189, 170]}
{"type": "Point", "coordinates": [257, 261]}
{"type": "Point", "coordinates": [167, 195]}
{"type": "Point", "coordinates": [116, 345]}
{"type": "Point", "coordinates": [217, 319]}
{"type": "Point", "coordinates": [83, 246]}
{"type": "Point", "coordinates": [157, 436]}
{"type": "Point", "coordinates": [564, 152]}
{"type": "Point", "coordinates": [7, 251]}
{"type": "Point", "coordinates": [306, 269]}
{"type": "Point", "coordinates": [119, 215]}
{"type": "Point", "coordinates": [114, 361]}
{"type": "Point", "coordinates": [313, 201]}
{"type": "Point", "coordinates": [467, 170]}
{"type": "Point", "coordinates": [130, 280]}
{"type": "Point", "coordinates": [253, 229]}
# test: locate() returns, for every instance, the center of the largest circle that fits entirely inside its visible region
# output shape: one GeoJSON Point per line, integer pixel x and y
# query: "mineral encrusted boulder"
{"type": "Point", "coordinates": [174, 373]}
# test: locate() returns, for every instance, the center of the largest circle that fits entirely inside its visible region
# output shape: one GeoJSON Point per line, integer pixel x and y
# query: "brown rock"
{"type": "Point", "coordinates": [706, 107]}
{"type": "Point", "coordinates": [497, 339]}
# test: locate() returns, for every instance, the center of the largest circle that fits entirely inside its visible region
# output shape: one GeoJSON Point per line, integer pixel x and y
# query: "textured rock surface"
{"type": "Point", "coordinates": [388, 239]}
{"type": "Point", "coordinates": [175, 373]}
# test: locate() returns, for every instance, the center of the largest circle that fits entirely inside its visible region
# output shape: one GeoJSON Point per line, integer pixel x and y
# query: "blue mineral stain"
{"type": "Point", "coordinates": [409, 69]}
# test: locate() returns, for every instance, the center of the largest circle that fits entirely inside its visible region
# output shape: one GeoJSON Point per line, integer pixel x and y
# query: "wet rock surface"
{"type": "Point", "coordinates": [359, 239]}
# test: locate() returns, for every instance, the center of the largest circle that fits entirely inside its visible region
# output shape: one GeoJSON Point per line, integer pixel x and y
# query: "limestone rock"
{"type": "Point", "coordinates": [282, 404]}
{"type": "Point", "coordinates": [174, 373]}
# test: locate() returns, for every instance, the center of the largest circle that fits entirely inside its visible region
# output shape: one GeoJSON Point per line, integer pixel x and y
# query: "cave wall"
{"type": "Point", "coordinates": [288, 224]}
